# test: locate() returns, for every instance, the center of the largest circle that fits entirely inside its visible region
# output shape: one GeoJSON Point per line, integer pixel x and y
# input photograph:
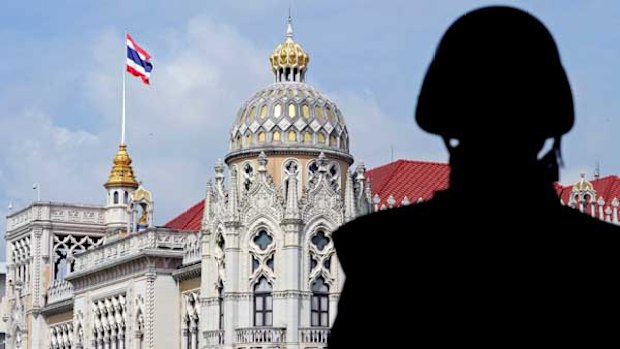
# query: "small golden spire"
{"type": "Point", "coordinates": [122, 173]}
{"type": "Point", "coordinates": [289, 55]}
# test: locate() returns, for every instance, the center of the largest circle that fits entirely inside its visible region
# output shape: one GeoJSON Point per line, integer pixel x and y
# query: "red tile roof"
{"type": "Point", "coordinates": [191, 219]}
{"type": "Point", "coordinates": [606, 187]}
{"type": "Point", "coordinates": [410, 178]}
{"type": "Point", "coordinates": [414, 180]}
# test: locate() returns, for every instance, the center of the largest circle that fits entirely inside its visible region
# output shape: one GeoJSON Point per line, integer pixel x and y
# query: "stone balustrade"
{"type": "Point", "coordinates": [314, 335]}
{"type": "Point", "coordinates": [134, 244]}
{"type": "Point", "coordinates": [58, 291]}
{"type": "Point", "coordinates": [192, 251]}
{"type": "Point", "coordinates": [261, 335]}
{"type": "Point", "coordinates": [214, 338]}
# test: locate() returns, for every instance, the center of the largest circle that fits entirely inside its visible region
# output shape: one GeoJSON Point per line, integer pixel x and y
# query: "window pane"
{"type": "Point", "coordinates": [292, 136]}
{"type": "Point", "coordinates": [268, 303]}
{"type": "Point", "coordinates": [320, 286]}
{"type": "Point", "coordinates": [315, 319]}
{"type": "Point", "coordinates": [258, 320]}
{"type": "Point", "coordinates": [262, 286]}
{"type": "Point", "coordinates": [263, 112]}
{"type": "Point", "coordinates": [324, 319]}
{"type": "Point", "coordinates": [270, 263]}
{"type": "Point", "coordinates": [327, 263]}
{"type": "Point", "coordinates": [268, 319]}
{"type": "Point", "coordinates": [263, 240]}
{"type": "Point", "coordinates": [324, 303]}
{"type": "Point", "coordinates": [254, 264]}
{"type": "Point", "coordinates": [258, 303]}
{"type": "Point", "coordinates": [320, 240]}
{"type": "Point", "coordinates": [315, 303]}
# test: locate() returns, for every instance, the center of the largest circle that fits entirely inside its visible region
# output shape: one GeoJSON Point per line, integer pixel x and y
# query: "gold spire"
{"type": "Point", "coordinates": [122, 172]}
{"type": "Point", "coordinates": [289, 54]}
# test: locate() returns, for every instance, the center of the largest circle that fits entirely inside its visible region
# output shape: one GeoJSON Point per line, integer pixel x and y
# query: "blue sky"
{"type": "Point", "coordinates": [60, 83]}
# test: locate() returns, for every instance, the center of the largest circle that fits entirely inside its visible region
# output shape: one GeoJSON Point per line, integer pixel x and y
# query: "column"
{"type": "Point", "coordinates": [231, 306]}
{"type": "Point", "coordinates": [121, 338]}
{"type": "Point", "coordinates": [138, 340]}
{"type": "Point", "coordinates": [184, 341]}
{"type": "Point", "coordinates": [291, 253]}
{"type": "Point", "coordinates": [194, 339]}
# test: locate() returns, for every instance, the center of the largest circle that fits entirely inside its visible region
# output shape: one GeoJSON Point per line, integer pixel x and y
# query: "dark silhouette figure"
{"type": "Point", "coordinates": [495, 259]}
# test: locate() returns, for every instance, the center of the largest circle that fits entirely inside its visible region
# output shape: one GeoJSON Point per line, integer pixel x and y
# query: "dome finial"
{"type": "Point", "coordinates": [289, 25]}
{"type": "Point", "coordinates": [289, 61]}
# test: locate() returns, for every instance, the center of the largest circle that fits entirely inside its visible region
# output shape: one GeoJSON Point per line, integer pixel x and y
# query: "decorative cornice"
{"type": "Point", "coordinates": [145, 263]}
{"type": "Point", "coordinates": [57, 308]}
{"type": "Point", "coordinates": [188, 272]}
{"type": "Point", "coordinates": [272, 150]}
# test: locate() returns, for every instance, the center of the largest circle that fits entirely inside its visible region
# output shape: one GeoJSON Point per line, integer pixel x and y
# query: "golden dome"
{"type": "Point", "coordinates": [583, 184]}
{"type": "Point", "coordinates": [122, 173]}
{"type": "Point", "coordinates": [289, 54]}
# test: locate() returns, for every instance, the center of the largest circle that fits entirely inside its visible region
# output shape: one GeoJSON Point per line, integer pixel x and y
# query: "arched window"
{"type": "Point", "coordinates": [263, 112]}
{"type": "Point", "coordinates": [305, 111]}
{"type": "Point", "coordinates": [321, 138]}
{"type": "Point", "coordinates": [126, 197]}
{"type": "Point", "coordinates": [330, 115]}
{"type": "Point", "coordinates": [277, 110]}
{"type": "Point", "coordinates": [292, 110]}
{"type": "Point", "coordinates": [318, 112]}
{"type": "Point", "coordinates": [333, 141]}
{"type": "Point", "coordinates": [333, 175]}
{"type": "Point", "coordinates": [263, 303]}
{"type": "Point", "coordinates": [277, 136]}
{"type": "Point", "coordinates": [248, 175]}
{"type": "Point", "coordinates": [263, 240]}
{"type": "Point", "coordinates": [320, 304]}
{"type": "Point", "coordinates": [115, 197]}
{"type": "Point", "coordinates": [292, 136]}
{"type": "Point", "coordinates": [313, 170]}
{"type": "Point", "coordinates": [262, 137]}
{"type": "Point", "coordinates": [307, 137]}
{"type": "Point", "coordinates": [252, 114]}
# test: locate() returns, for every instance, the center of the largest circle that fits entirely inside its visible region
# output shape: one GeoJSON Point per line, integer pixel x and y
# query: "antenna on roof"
{"type": "Point", "coordinates": [391, 153]}
{"type": "Point", "coordinates": [597, 170]}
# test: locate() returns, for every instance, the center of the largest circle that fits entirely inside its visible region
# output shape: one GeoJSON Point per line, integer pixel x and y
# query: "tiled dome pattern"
{"type": "Point", "coordinates": [289, 114]}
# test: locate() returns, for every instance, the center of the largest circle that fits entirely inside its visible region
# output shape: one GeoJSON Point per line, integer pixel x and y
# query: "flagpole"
{"type": "Point", "coordinates": [124, 78]}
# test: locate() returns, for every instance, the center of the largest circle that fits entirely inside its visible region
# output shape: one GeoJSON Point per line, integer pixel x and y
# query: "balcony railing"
{"type": "Point", "coordinates": [59, 290]}
{"type": "Point", "coordinates": [261, 335]}
{"type": "Point", "coordinates": [192, 251]}
{"type": "Point", "coordinates": [214, 338]}
{"type": "Point", "coordinates": [314, 335]}
{"type": "Point", "coordinates": [134, 244]}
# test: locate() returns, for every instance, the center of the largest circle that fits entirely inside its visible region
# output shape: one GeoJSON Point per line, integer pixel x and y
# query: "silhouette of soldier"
{"type": "Point", "coordinates": [495, 259]}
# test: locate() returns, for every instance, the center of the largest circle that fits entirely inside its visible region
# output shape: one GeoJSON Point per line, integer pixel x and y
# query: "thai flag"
{"type": "Point", "coordinates": [138, 60]}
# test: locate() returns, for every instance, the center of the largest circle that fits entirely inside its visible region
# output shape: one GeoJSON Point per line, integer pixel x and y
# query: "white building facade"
{"type": "Point", "coordinates": [260, 273]}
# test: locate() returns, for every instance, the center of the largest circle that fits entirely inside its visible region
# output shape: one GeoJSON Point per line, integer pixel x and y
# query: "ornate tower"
{"type": "Point", "coordinates": [120, 185]}
{"type": "Point", "coordinates": [269, 267]}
